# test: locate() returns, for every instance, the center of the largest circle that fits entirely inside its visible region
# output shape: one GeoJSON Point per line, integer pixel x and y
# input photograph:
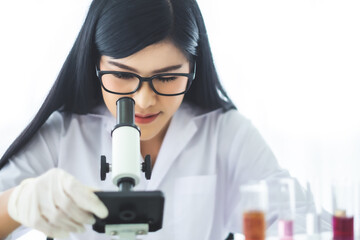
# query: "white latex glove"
{"type": "Point", "coordinates": [55, 203]}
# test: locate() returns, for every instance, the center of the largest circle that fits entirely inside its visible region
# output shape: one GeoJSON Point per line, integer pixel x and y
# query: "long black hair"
{"type": "Point", "coordinates": [120, 28]}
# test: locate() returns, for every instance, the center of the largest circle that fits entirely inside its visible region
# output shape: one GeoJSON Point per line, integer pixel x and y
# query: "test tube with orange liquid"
{"type": "Point", "coordinates": [254, 203]}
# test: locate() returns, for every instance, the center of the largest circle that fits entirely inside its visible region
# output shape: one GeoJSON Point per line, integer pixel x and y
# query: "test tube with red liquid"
{"type": "Point", "coordinates": [343, 211]}
{"type": "Point", "coordinates": [254, 203]}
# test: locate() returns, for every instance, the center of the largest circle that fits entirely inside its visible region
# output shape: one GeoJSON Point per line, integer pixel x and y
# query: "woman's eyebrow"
{"type": "Point", "coordinates": [167, 69]}
{"type": "Point", "coordinates": [120, 65]}
{"type": "Point", "coordinates": [161, 70]}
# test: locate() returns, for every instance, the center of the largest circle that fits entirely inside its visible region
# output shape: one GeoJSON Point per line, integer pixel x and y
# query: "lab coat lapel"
{"type": "Point", "coordinates": [182, 128]}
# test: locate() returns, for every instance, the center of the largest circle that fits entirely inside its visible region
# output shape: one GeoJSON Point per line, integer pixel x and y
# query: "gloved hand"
{"type": "Point", "coordinates": [55, 203]}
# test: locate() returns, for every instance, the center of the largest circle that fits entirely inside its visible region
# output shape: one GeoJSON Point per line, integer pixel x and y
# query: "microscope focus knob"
{"type": "Point", "coordinates": [104, 168]}
{"type": "Point", "coordinates": [146, 167]}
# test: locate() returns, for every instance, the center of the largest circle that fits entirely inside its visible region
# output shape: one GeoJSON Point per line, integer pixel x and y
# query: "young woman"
{"type": "Point", "coordinates": [202, 149]}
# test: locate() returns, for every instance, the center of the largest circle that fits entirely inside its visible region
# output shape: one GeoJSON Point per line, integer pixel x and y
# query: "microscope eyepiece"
{"type": "Point", "coordinates": [125, 111]}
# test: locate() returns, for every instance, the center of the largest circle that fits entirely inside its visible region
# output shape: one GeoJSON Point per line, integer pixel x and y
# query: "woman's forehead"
{"type": "Point", "coordinates": [153, 57]}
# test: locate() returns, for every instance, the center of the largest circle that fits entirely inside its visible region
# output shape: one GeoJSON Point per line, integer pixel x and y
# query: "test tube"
{"type": "Point", "coordinates": [313, 209]}
{"type": "Point", "coordinates": [357, 210]}
{"type": "Point", "coordinates": [254, 202]}
{"type": "Point", "coordinates": [286, 198]}
{"type": "Point", "coordinates": [343, 210]}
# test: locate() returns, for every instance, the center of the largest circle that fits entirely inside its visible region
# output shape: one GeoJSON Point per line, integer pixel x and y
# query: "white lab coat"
{"type": "Point", "coordinates": [203, 160]}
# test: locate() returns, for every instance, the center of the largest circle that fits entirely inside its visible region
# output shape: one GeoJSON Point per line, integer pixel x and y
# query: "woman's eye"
{"type": "Point", "coordinates": [123, 75]}
{"type": "Point", "coordinates": [166, 79]}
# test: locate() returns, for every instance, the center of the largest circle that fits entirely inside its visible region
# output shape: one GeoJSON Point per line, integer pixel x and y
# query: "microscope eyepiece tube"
{"type": "Point", "coordinates": [125, 143]}
{"type": "Point", "coordinates": [125, 111]}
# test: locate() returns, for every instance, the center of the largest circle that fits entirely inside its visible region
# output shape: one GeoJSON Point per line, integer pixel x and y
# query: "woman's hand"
{"type": "Point", "coordinates": [55, 203]}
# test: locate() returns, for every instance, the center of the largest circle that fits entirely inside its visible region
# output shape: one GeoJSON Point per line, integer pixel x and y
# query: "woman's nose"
{"type": "Point", "coordinates": [145, 97]}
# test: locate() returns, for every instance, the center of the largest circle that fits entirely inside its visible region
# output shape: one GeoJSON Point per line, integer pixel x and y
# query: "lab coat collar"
{"type": "Point", "coordinates": [108, 119]}
{"type": "Point", "coordinates": [181, 129]}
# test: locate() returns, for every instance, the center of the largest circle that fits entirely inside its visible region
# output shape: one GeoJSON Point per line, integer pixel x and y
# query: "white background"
{"type": "Point", "coordinates": [291, 66]}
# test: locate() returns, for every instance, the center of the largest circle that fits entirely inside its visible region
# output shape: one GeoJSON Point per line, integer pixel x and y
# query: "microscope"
{"type": "Point", "coordinates": [131, 213]}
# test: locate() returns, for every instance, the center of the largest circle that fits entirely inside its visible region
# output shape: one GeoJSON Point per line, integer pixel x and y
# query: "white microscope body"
{"type": "Point", "coordinates": [131, 213]}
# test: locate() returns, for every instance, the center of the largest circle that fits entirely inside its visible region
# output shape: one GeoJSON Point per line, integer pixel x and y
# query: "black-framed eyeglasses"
{"type": "Point", "coordinates": [165, 84]}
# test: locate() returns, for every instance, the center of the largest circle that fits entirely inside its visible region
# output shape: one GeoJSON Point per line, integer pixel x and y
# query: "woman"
{"type": "Point", "coordinates": [202, 149]}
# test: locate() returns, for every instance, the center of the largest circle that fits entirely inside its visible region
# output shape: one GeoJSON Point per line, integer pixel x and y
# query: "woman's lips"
{"type": "Point", "coordinates": [145, 118]}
